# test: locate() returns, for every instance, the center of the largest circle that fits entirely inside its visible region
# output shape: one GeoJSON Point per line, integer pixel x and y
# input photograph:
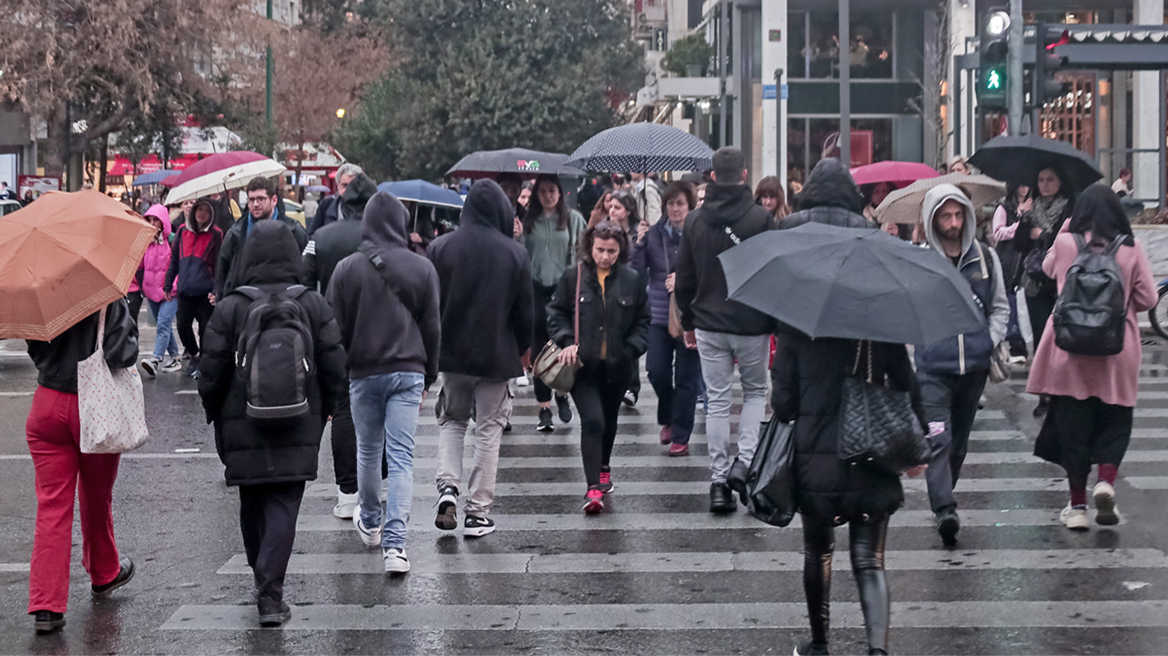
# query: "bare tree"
{"type": "Point", "coordinates": [938, 58]}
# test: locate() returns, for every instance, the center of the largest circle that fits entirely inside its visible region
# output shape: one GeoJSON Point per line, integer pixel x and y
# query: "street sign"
{"type": "Point", "coordinates": [769, 92]}
{"type": "Point", "coordinates": [775, 36]}
{"type": "Point", "coordinates": [785, 92]}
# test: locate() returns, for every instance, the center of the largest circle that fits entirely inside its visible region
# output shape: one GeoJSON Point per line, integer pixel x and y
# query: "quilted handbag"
{"type": "Point", "coordinates": [110, 403]}
{"type": "Point", "coordinates": [547, 366]}
{"type": "Point", "coordinates": [878, 427]}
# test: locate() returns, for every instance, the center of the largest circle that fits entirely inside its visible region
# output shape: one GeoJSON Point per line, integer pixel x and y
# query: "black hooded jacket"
{"type": "Point", "coordinates": [387, 327]}
{"type": "Point", "coordinates": [56, 360]}
{"type": "Point", "coordinates": [485, 277]}
{"type": "Point", "coordinates": [254, 453]}
{"type": "Point", "coordinates": [830, 196]}
{"type": "Point", "coordinates": [701, 284]}
{"type": "Point", "coordinates": [340, 239]}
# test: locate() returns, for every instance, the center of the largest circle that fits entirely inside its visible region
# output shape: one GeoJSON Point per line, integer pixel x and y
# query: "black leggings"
{"type": "Point", "coordinates": [598, 400]}
{"type": "Point", "coordinates": [867, 547]}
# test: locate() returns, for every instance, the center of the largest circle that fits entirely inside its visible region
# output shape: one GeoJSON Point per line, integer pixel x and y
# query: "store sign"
{"type": "Point", "coordinates": [861, 147]}
{"type": "Point", "coordinates": [38, 184]}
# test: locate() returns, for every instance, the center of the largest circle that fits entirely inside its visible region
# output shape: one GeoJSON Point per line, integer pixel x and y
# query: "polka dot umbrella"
{"type": "Point", "coordinates": [643, 148]}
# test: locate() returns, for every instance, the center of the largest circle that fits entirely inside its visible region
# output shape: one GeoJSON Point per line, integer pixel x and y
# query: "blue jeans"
{"type": "Point", "coordinates": [385, 414]}
{"type": "Point", "coordinates": [163, 312]}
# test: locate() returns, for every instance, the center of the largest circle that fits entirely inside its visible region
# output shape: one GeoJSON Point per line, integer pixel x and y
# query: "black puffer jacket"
{"type": "Point", "coordinates": [618, 316]}
{"type": "Point", "coordinates": [830, 196]}
{"type": "Point", "coordinates": [808, 377]}
{"type": "Point", "coordinates": [56, 360]}
{"type": "Point", "coordinates": [339, 239]}
{"type": "Point", "coordinates": [485, 277]}
{"type": "Point", "coordinates": [254, 454]}
{"type": "Point", "coordinates": [701, 284]}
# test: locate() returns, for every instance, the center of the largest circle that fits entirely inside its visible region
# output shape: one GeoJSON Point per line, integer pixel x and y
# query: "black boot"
{"type": "Point", "coordinates": [721, 498]}
{"type": "Point", "coordinates": [123, 577]}
{"type": "Point", "coordinates": [736, 478]}
{"type": "Point", "coordinates": [46, 621]}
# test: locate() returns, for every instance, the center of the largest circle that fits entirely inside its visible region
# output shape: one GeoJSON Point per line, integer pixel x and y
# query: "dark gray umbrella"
{"type": "Point", "coordinates": [643, 148]}
{"type": "Point", "coordinates": [853, 283]}
{"type": "Point", "coordinates": [490, 163]}
{"type": "Point", "coordinates": [1019, 159]}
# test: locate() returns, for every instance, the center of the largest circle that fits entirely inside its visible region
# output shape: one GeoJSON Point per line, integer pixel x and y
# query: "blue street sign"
{"type": "Point", "coordinates": [769, 91]}
{"type": "Point", "coordinates": [786, 91]}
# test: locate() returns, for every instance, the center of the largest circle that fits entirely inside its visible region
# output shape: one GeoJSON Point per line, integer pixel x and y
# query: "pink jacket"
{"type": "Point", "coordinates": [1112, 379]}
{"type": "Point", "coordinates": [157, 258]}
{"type": "Point", "coordinates": [1003, 232]}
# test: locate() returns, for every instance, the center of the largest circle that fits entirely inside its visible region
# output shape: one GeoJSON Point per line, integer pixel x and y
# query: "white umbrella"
{"type": "Point", "coordinates": [218, 173]}
{"type": "Point", "coordinates": [904, 205]}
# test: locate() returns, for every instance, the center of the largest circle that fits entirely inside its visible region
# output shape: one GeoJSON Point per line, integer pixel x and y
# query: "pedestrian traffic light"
{"type": "Point", "coordinates": [1047, 63]}
{"type": "Point", "coordinates": [994, 51]}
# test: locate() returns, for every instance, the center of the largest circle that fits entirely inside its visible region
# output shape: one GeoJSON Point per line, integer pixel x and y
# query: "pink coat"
{"type": "Point", "coordinates": [157, 258]}
{"type": "Point", "coordinates": [1112, 379]}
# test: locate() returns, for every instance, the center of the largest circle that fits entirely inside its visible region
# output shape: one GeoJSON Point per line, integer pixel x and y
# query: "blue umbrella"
{"type": "Point", "coordinates": [643, 148]}
{"type": "Point", "coordinates": [423, 193]}
{"type": "Point", "coordinates": [154, 177]}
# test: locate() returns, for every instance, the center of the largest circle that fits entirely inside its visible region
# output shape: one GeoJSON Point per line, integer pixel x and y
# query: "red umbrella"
{"type": "Point", "coordinates": [221, 172]}
{"type": "Point", "coordinates": [898, 173]}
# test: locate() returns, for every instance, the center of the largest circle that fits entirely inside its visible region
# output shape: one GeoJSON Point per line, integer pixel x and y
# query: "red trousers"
{"type": "Point", "coordinates": [54, 438]}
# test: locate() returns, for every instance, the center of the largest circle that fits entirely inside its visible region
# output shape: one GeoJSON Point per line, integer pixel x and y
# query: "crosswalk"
{"type": "Point", "coordinates": [660, 570]}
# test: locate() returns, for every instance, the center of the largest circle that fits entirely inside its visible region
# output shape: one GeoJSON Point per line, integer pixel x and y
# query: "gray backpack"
{"type": "Point", "coordinates": [1090, 312]}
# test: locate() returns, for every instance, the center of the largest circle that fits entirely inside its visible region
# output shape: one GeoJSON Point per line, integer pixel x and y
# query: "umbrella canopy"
{"type": "Point", "coordinates": [154, 177]}
{"type": "Point", "coordinates": [423, 193]}
{"type": "Point", "coordinates": [898, 173]}
{"type": "Point", "coordinates": [222, 172]}
{"type": "Point", "coordinates": [318, 189]}
{"type": "Point", "coordinates": [904, 205]}
{"type": "Point", "coordinates": [528, 163]}
{"type": "Point", "coordinates": [1019, 159]}
{"type": "Point", "coordinates": [851, 283]}
{"type": "Point", "coordinates": [63, 258]}
{"type": "Point", "coordinates": [643, 148]}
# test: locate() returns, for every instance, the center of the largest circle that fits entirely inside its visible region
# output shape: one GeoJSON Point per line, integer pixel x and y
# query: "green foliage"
{"type": "Point", "coordinates": [691, 50]}
{"type": "Point", "coordinates": [488, 74]}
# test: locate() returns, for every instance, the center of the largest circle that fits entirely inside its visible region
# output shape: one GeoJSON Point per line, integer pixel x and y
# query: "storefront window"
{"type": "Point", "coordinates": [797, 45]}
{"type": "Point", "coordinates": [811, 139]}
{"type": "Point", "coordinates": [869, 51]}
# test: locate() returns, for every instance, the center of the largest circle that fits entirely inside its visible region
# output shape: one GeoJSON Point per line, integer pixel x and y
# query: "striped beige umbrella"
{"type": "Point", "coordinates": [63, 258]}
{"type": "Point", "coordinates": [904, 205]}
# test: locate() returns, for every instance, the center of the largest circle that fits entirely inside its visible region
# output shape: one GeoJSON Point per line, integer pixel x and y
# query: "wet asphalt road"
{"type": "Point", "coordinates": [655, 574]}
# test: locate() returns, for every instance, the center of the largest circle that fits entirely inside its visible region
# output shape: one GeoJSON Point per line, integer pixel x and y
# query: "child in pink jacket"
{"type": "Point", "coordinates": [161, 302]}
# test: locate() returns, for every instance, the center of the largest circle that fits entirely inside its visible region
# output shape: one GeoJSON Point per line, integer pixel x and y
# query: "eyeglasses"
{"type": "Point", "coordinates": [258, 199]}
{"type": "Point", "coordinates": [607, 230]}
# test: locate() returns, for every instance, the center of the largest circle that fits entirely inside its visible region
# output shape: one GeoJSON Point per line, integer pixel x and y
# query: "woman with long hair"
{"type": "Point", "coordinates": [674, 370]}
{"type": "Point", "coordinates": [600, 209]}
{"type": "Point", "coordinates": [613, 334]}
{"type": "Point", "coordinates": [769, 193]}
{"type": "Point", "coordinates": [621, 206]}
{"type": "Point", "coordinates": [552, 234]}
{"type": "Point", "coordinates": [1033, 238]}
{"type": "Point", "coordinates": [808, 380]}
{"type": "Point", "coordinates": [1005, 224]}
{"type": "Point", "coordinates": [1092, 398]}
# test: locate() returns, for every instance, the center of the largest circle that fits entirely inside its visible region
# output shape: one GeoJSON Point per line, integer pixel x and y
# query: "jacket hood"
{"type": "Point", "coordinates": [163, 215]}
{"type": "Point", "coordinates": [486, 205]}
{"type": "Point", "coordinates": [270, 255]}
{"type": "Point", "coordinates": [726, 204]}
{"type": "Point", "coordinates": [384, 224]}
{"type": "Point", "coordinates": [356, 197]}
{"type": "Point", "coordinates": [934, 199]}
{"type": "Point", "coordinates": [831, 185]}
{"type": "Point", "coordinates": [211, 204]}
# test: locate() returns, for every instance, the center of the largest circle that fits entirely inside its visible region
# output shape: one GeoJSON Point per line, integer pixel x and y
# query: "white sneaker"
{"type": "Point", "coordinates": [346, 505]}
{"type": "Point", "coordinates": [1018, 360]}
{"type": "Point", "coordinates": [371, 537]}
{"type": "Point", "coordinates": [1075, 518]}
{"type": "Point", "coordinates": [523, 381]}
{"type": "Point", "coordinates": [395, 560]}
{"type": "Point", "coordinates": [150, 366]}
{"type": "Point", "coordinates": [170, 365]}
{"type": "Point", "coordinates": [1105, 513]}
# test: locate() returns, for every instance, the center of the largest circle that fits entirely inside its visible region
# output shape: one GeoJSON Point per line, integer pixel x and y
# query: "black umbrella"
{"type": "Point", "coordinates": [1019, 159]}
{"type": "Point", "coordinates": [490, 163]}
{"type": "Point", "coordinates": [852, 283]}
{"type": "Point", "coordinates": [643, 148]}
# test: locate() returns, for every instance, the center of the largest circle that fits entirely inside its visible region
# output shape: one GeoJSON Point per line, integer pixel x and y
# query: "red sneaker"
{"type": "Point", "coordinates": [593, 501]}
{"type": "Point", "coordinates": [666, 434]}
{"type": "Point", "coordinates": [679, 450]}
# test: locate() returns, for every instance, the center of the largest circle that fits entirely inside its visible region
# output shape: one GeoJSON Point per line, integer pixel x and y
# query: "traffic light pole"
{"type": "Point", "coordinates": [1015, 100]}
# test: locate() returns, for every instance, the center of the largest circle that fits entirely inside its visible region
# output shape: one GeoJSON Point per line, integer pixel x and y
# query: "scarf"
{"type": "Point", "coordinates": [1047, 212]}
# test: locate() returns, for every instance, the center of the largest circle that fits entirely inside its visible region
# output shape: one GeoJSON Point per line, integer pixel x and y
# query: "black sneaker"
{"type": "Point", "coordinates": [564, 409]}
{"type": "Point", "coordinates": [123, 577]}
{"type": "Point", "coordinates": [947, 526]}
{"type": "Point", "coordinates": [477, 527]}
{"type": "Point", "coordinates": [812, 649]}
{"type": "Point", "coordinates": [736, 478]}
{"type": "Point", "coordinates": [630, 398]}
{"type": "Point", "coordinates": [273, 612]}
{"type": "Point", "coordinates": [192, 368]}
{"type": "Point", "coordinates": [46, 621]}
{"type": "Point", "coordinates": [545, 421]}
{"type": "Point", "coordinates": [721, 499]}
{"type": "Point", "coordinates": [507, 428]}
{"type": "Point", "coordinates": [150, 366]}
{"type": "Point", "coordinates": [447, 518]}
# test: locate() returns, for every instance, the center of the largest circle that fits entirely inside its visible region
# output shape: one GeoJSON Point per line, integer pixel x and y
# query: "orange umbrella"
{"type": "Point", "coordinates": [64, 257]}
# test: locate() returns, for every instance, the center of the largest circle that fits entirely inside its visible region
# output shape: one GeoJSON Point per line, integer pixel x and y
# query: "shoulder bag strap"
{"type": "Point", "coordinates": [100, 330]}
{"type": "Point", "coordinates": [576, 328]}
{"type": "Point", "coordinates": [665, 247]}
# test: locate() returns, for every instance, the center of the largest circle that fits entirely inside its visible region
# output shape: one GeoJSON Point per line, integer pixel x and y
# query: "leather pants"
{"type": "Point", "coordinates": [867, 548]}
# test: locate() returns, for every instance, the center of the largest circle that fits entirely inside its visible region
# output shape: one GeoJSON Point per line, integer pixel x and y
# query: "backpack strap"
{"type": "Point", "coordinates": [254, 293]}
{"type": "Point", "coordinates": [1080, 242]}
{"type": "Point", "coordinates": [1113, 248]}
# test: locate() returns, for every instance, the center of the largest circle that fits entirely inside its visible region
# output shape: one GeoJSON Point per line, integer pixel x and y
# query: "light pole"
{"type": "Point", "coordinates": [271, 65]}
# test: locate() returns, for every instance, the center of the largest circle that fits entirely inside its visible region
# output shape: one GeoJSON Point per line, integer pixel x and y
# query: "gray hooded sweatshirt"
{"type": "Point", "coordinates": [980, 266]}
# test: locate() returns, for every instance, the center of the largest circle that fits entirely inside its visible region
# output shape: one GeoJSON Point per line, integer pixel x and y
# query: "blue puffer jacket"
{"type": "Point", "coordinates": [655, 258]}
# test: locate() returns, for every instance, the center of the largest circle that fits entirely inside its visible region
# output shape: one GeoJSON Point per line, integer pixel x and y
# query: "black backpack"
{"type": "Point", "coordinates": [1090, 312]}
{"type": "Point", "coordinates": [274, 354]}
